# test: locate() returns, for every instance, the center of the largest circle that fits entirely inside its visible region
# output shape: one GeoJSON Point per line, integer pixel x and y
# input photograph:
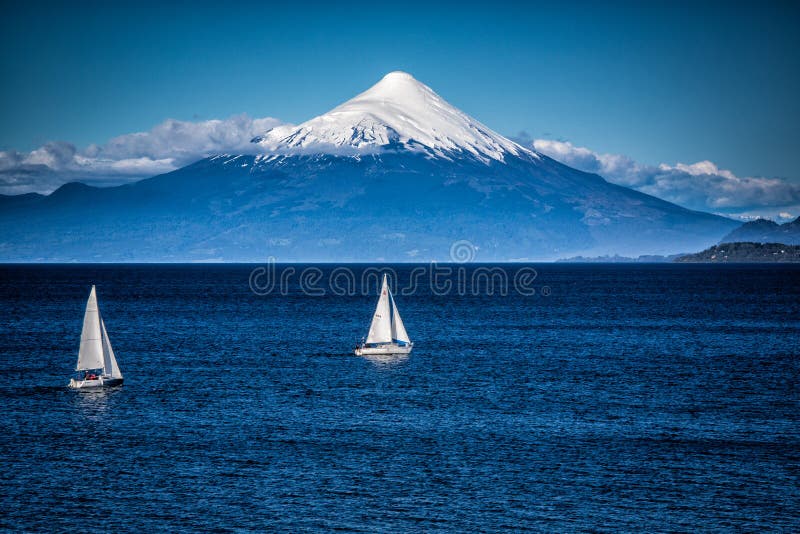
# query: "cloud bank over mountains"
{"type": "Point", "coordinates": [701, 186]}
{"type": "Point", "coordinates": [173, 144]}
{"type": "Point", "coordinates": [130, 157]}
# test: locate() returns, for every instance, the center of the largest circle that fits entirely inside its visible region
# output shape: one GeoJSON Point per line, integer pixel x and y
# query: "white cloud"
{"type": "Point", "coordinates": [166, 147]}
{"type": "Point", "coordinates": [53, 155]}
{"type": "Point", "coordinates": [702, 185]}
{"type": "Point", "coordinates": [183, 141]}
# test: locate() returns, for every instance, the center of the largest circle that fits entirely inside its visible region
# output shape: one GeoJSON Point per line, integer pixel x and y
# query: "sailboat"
{"type": "Point", "coordinates": [387, 334]}
{"type": "Point", "coordinates": [97, 366]}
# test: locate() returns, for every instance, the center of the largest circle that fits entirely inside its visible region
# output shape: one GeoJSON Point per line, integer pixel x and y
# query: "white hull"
{"type": "Point", "coordinates": [101, 382]}
{"type": "Point", "coordinates": [383, 350]}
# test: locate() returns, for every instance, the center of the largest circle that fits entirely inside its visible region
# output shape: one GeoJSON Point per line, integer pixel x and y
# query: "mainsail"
{"type": "Point", "coordinates": [90, 355]}
{"type": "Point", "coordinates": [380, 331]}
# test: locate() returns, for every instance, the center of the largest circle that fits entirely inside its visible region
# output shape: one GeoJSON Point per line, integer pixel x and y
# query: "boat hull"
{"type": "Point", "coordinates": [383, 350]}
{"type": "Point", "coordinates": [101, 382]}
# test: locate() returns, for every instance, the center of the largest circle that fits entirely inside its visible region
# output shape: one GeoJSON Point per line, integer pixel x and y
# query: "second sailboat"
{"type": "Point", "coordinates": [387, 334]}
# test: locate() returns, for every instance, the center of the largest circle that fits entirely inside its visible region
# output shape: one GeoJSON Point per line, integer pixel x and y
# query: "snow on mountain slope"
{"type": "Point", "coordinates": [398, 112]}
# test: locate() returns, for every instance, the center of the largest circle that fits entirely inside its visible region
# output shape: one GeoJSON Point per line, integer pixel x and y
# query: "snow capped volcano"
{"type": "Point", "coordinates": [395, 174]}
{"type": "Point", "coordinates": [397, 113]}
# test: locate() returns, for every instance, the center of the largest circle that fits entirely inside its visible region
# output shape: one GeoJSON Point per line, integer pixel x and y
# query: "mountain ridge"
{"type": "Point", "coordinates": [407, 196]}
{"type": "Point", "coordinates": [765, 231]}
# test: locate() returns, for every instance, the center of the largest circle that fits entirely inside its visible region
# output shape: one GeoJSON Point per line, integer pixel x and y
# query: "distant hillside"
{"type": "Point", "coordinates": [764, 231]}
{"type": "Point", "coordinates": [745, 253]}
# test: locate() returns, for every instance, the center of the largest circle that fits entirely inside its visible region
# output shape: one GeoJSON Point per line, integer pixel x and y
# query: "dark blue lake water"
{"type": "Point", "coordinates": [638, 398]}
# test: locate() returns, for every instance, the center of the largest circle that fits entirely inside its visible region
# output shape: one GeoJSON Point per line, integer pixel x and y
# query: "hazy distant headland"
{"type": "Point", "coordinates": [745, 253]}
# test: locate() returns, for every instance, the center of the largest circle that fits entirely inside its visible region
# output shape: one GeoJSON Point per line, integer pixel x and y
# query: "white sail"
{"type": "Point", "coordinates": [380, 331]}
{"type": "Point", "coordinates": [399, 333]}
{"type": "Point", "coordinates": [110, 362]}
{"type": "Point", "coordinates": [90, 355]}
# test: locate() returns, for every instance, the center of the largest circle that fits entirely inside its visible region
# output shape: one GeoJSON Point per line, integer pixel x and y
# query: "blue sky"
{"type": "Point", "coordinates": [656, 82]}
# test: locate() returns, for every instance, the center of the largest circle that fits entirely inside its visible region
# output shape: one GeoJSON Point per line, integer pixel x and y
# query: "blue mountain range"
{"type": "Point", "coordinates": [395, 174]}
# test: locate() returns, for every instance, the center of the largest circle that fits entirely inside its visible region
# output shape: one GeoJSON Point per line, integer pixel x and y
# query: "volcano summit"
{"type": "Point", "coordinates": [396, 113]}
{"type": "Point", "coordinates": [394, 174]}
